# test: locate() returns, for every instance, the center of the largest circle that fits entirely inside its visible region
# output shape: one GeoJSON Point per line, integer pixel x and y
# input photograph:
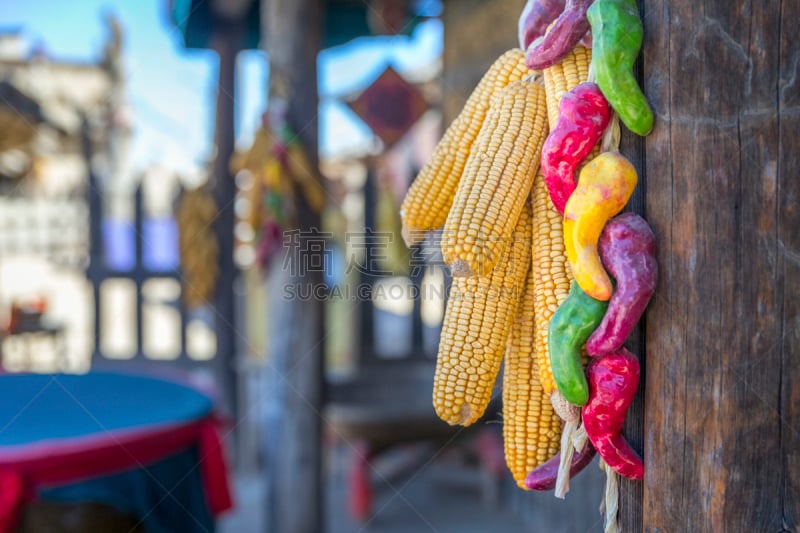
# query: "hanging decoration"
{"type": "Point", "coordinates": [389, 122]}
{"type": "Point", "coordinates": [281, 170]}
{"type": "Point", "coordinates": [528, 184]}
{"type": "Point", "coordinates": [197, 246]}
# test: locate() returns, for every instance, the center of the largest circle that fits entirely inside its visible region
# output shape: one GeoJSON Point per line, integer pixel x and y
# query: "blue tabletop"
{"type": "Point", "coordinates": [166, 495]}
{"type": "Point", "coordinates": [38, 407]}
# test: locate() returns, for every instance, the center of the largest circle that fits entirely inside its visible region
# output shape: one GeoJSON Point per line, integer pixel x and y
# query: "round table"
{"type": "Point", "coordinates": [145, 446]}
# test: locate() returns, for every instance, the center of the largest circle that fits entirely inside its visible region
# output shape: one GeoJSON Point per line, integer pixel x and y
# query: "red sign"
{"type": "Point", "coordinates": [390, 106]}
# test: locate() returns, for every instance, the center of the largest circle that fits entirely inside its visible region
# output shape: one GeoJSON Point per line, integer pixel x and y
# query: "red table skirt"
{"type": "Point", "coordinates": [26, 469]}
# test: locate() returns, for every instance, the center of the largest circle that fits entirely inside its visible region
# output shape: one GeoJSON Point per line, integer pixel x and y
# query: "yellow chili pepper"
{"type": "Point", "coordinates": [604, 187]}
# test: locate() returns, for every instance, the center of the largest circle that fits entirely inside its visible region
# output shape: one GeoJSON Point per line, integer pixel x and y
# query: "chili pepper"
{"type": "Point", "coordinates": [604, 186]}
{"type": "Point", "coordinates": [613, 380]}
{"type": "Point", "coordinates": [571, 325]}
{"type": "Point", "coordinates": [565, 33]}
{"type": "Point", "coordinates": [535, 18]}
{"type": "Point", "coordinates": [627, 248]}
{"type": "Point", "coordinates": [583, 116]}
{"type": "Point", "coordinates": [544, 476]}
{"type": "Point", "coordinates": [616, 39]}
{"type": "Point", "coordinates": [270, 242]}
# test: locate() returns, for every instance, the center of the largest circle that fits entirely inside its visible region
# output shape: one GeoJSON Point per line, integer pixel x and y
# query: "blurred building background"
{"type": "Point", "coordinates": [52, 109]}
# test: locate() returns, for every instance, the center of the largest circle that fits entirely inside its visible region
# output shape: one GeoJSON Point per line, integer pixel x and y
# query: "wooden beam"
{"type": "Point", "coordinates": [231, 10]}
{"type": "Point", "coordinates": [293, 31]}
{"type": "Point", "coordinates": [722, 410]}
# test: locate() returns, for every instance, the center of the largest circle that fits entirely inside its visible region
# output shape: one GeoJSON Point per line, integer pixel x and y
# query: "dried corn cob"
{"type": "Point", "coordinates": [564, 76]}
{"type": "Point", "coordinates": [551, 273]}
{"type": "Point", "coordinates": [497, 180]}
{"type": "Point", "coordinates": [531, 428]}
{"type": "Point", "coordinates": [475, 332]}
{"type": "Point", "coordinates": [430, 196]}
{"type": "Point", "coordinates": [197, 246]}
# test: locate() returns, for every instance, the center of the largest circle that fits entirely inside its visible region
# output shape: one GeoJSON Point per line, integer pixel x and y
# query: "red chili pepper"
{"type": "Point", "coordinates": [627, 248]}
{"type": "Point", "coordinates": [544, 476]}
{"type": "Point", "coordinates": [536, 17]}
{"type": "Point", "coordinates": [613, 380]}
{"type": "Point", "coordinates": [583, 116]}
{"type": "Point", "coordinates": [566, 32]}
{"type": "Point", "coordinates": [270, 243]}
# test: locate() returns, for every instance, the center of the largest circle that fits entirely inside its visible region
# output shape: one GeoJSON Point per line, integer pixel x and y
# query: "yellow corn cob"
{"type": "Point", "coordinates": [551, 274]}
{"type": "Point", "coordinates": [197, 246]}
{"type": "Point", "coordinates": [430, 196]}
{"type": "Point", "coordinates": [564, 76]}
{"type": "Point", "coordinates": [497, 180]}
{"type": "Point", "coordinates": [475, 332]}
{"type": "Point", "coordinates": [531, 428]}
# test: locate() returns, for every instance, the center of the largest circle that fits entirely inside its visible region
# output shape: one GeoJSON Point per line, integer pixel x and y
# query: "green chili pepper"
{"type": "Point", "coordinates": [617, 35]}
{"type": "Point", "coordinates": [572, 323]}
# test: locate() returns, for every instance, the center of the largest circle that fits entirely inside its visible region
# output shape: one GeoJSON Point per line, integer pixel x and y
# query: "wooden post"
{"type": "Point", "coordinates": [722, 408]}
{"type": "Point", "coordinates": [94, 270]}
{"type": "Point", "coordinates": [227, 42]}
{"type": "Point", "coordinates": [630, 492]}
{"type": "Point", "coordinates": [292, 32]}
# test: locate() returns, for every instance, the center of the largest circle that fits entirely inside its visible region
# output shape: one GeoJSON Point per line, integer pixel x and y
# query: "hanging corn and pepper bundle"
{"type": "Point", "coordinates": [546, 271]}
{"type": "Point", "coordinates": [281, 170]}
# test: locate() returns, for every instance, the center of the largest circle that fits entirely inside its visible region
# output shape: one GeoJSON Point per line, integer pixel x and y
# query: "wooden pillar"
{"type": "Point", "coordinates": [292, 34]}
{"type": "Point", "coordinates": [632, 146]}
{"type": "Point", "coordinates": [722, 406]}
{"type": "Point", "coordinates": [96, 267]}
{"type": "Point", "coordinates": [227, 42]}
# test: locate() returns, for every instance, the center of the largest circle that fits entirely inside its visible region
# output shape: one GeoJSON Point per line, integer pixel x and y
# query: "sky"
{"type": "Point", "coordinates": [172, 90]}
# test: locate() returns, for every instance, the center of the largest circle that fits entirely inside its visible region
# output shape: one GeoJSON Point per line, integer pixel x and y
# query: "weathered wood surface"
{"type": "Point", "coordinates": [630, 492]}
{"type": "Point", "coordinates": [292, 33]}
{"type": "Point", "coordinates": [722, 174]}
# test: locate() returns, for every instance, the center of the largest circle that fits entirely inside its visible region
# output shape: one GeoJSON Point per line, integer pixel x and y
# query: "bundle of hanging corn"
{"type": "Point", "coordinates": [527, 184]}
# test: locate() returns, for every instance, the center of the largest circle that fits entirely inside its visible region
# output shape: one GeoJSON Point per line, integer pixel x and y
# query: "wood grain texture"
{"type": "Point", "coordinates": [787, 254]}
{"type": "Point", "coordinates": [722, 420]}
{"type": "Point", "coordinates": [292, 31]}
{"type": "Point", "coordinates": [630, 492]}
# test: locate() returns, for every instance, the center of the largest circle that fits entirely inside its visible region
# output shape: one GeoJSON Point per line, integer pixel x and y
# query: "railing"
{"type": "Point", "coordinates": [140, 320]}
